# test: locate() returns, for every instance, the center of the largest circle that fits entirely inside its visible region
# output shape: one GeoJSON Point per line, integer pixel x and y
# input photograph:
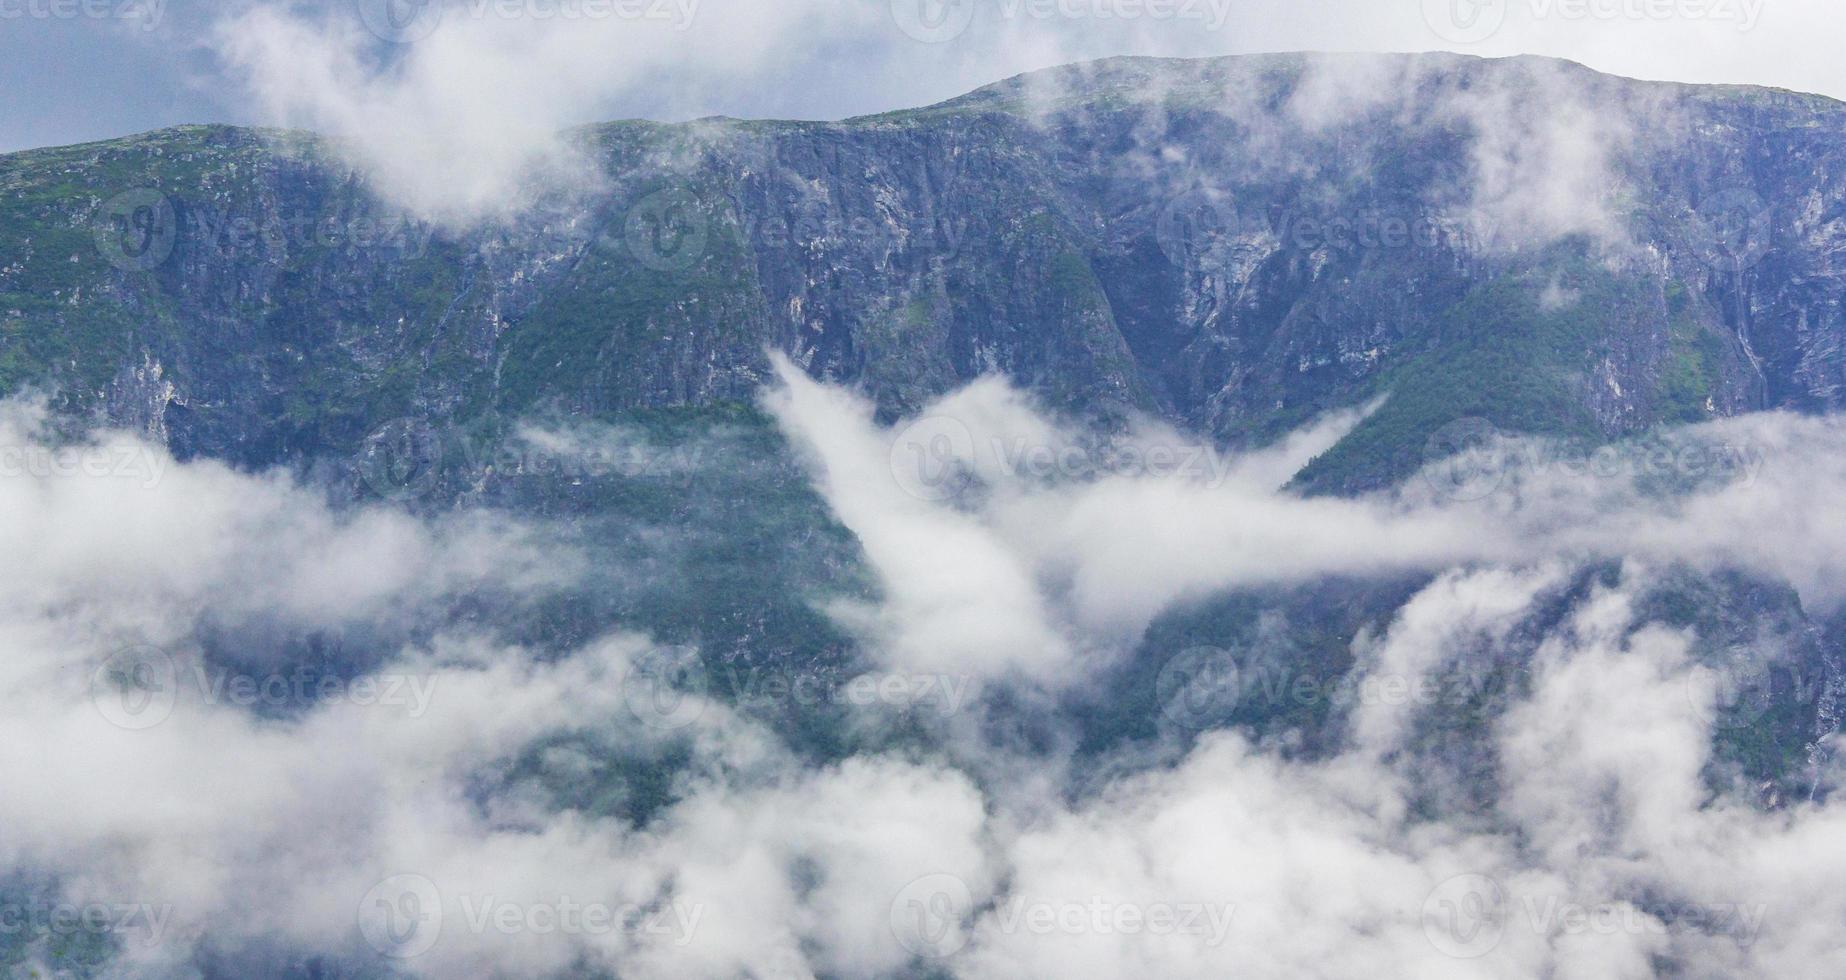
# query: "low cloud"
{"type": "Point", "coordinates": [457, 110]}
{"type": "Point", "coordinates": [1112, 533]}
{"type": "Point", "coordinates": [433, 833]}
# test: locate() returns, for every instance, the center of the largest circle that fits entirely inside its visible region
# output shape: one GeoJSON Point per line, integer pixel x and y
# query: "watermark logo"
{"type": "Point", "coordinates": [136, 230]}
{"type": "Point", "coordinates": [1198, 689]}
{"type": "Point", "coordinates": [1189, 223]}
{"type": "Point", "coordinates": [666, 687]}
{"type": "Point", "coordinates": [400, 21]}
{"type": "Point", "coordinates": [1465, 21]}
{"type": "Point", "coordinates": [401, 916]}
{"type": "Point", "coordinates": [666, 230]}
{"type": "Point", "coordinates": [933, 21]}
{"type": "Point", "coordinates": [402, 459]}
{"type": "Point", "coordinates": [1737, 697]}
{"type": "Point", "coordinates": [1738, 230]}
{"type": "Point", "coordinates": [136, 688]}
{"type": "Point", "coordinates": [930, 457]}
{"type": "Point", "coordinates": [1465, 460]}
{"type": "Point", "coordinates": [929, 916]}
{"type": "Point", "coordinates": [1465, 916]}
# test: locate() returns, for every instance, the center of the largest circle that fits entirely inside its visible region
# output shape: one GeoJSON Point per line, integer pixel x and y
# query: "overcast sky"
{"type": "Point", "coordinates": [76, 70]}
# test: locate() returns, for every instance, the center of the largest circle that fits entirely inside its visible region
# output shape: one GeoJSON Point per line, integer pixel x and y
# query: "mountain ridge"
{"type": "Point", "coordinates": [972, 97]}
{"type": "Point", "coordinates": [1203, 260]}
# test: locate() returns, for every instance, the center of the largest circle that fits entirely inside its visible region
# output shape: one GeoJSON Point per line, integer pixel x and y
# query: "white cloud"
{"type": "Point", "coordinates": [1598, 836]}
{"type": "Point", "coordinates": [245, 828]}
{"type": "Point", "coordinates": [959, 600]}
{"type": "Point", "coordinates": [1111, 533]}
{"type": "Point", "coordinates": [1457, 608]}
{"type": "Point", "coordinates": [467, 122]}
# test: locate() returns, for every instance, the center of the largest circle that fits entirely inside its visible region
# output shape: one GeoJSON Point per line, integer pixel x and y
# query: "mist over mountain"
{"type": "Point", "coordinates": [1363, 513]}
{"type": "Point", "coordinates": [1232, 245]}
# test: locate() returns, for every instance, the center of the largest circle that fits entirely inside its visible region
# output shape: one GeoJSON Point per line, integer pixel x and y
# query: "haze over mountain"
{"type": "Point", "coordinates": [1313, 495]}
{"type": "Point", "coordinates": [1231, 244]}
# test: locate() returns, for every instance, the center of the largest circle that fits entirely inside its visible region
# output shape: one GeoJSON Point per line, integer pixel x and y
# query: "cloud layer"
{"type": "Point", "coordinates": [458, 109]}
{"type": "Point", "coordinates": [426, 830]}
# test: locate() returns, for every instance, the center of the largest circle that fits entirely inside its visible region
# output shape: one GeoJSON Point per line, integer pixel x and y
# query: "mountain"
{"type": "Point", "coordinates": [1233, 244]}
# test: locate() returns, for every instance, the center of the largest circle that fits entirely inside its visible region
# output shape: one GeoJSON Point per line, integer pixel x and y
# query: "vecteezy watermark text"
{"type": "Point", "coordinates": [138, 464]}
{"type": "Point", "coordinates": [1204, 687]}
{"type": "Point", "coordinates": [403, 917]}
{"type": "Point", "coordinates": [409, 21]}
{"type": "Point", "coordinates": [406, 458]}
{"type": "Point", "coordinates": [943, 694]}
{"type": "Point", "coordinates": [1470, 459]}
{"type": "Point", "coordinates": [148, 12]}
{"type": "Point", "coordinates": [669, 687]}
{"type": "Point", "coordinates": [137, 688]}
{"type": "Point", "coordinates": [1467, 916]}
{"type": "Point", "coordinates": [139, 230]}
{"type": "Point", "coordinates": [932, 917]}
{"type": "Point", "coordinates": [933, 457]}
{"type": "Point", "coordinates": [1371, 230]}
{"type": "Point", "coordinates": [232, 233]}
{"type": "Point", "coordinates": [936, 21]}
{"type": "Point", "coordinates": [1474, 21]}
{"type": "Point", "coordinates": [139, 923]}
{"type": "Point", "coordinates": [670, 229]}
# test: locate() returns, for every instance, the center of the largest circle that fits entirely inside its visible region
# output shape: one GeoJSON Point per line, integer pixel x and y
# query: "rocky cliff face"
{"type": "Point", "coordinates": [1233, 244]}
